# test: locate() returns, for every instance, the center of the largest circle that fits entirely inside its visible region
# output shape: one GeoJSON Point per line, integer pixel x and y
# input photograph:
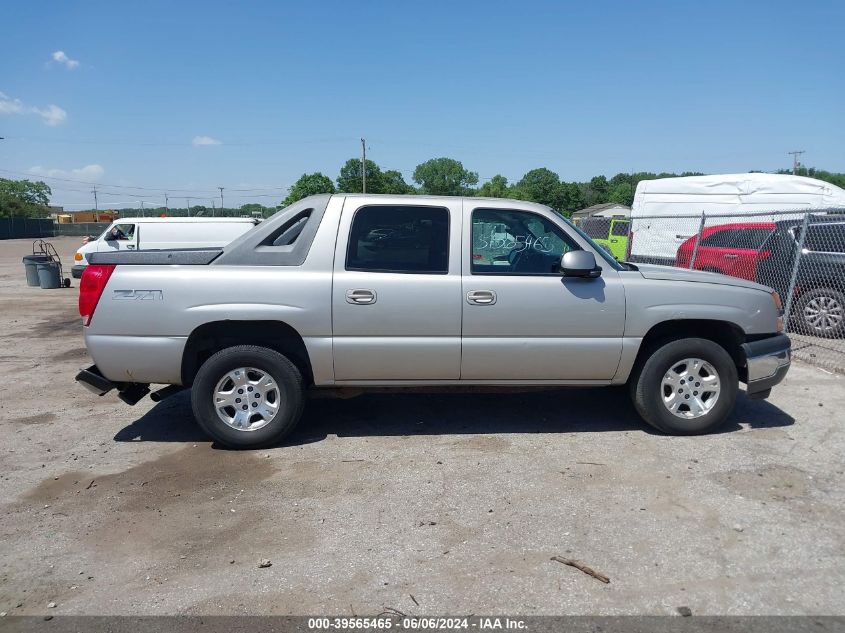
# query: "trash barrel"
{"type": "Point", "coordinates": [48, 275]}
{"type": "Point", "coordinates": [30, 262]}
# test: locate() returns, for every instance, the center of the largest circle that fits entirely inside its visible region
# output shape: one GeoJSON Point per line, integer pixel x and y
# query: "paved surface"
{"type": "Point", "coordinates": [458, 501]}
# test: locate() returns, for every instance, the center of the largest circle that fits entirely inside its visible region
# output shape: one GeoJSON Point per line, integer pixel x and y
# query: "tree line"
{"type": "Point", "coordinates": [449, 177]}
{"type": "Point", "coordinates": [437, 176]}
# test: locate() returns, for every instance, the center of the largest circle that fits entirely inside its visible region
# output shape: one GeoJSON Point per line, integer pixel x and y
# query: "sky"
{"type": "Point", "coordinates": [147, 98]}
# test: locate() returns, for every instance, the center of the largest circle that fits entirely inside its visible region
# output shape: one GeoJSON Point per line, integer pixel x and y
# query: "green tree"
{"type": "Point", "coordinates": [445, 177]}
{"type": "Point", "coordinates": [349, 180]}
{"type": "Point", "coordinates": [541, 185]}
{"type": "Point", "coordinates": [393, 182]}
{"type": "Point", "coordinates": [571, 198]}
{"type": "Point", "coordinates": [23, 198]}
{"type": "Point", "coordinates": [596, 191]}
{"type": "Point", "coordinates": [308, 185]}
{"type": "Point", "coordinates": [496, 187]}
{"type": "Point", "coordinates": [198, 209]}
{"type": "Point", "coordinates": [623, 193]}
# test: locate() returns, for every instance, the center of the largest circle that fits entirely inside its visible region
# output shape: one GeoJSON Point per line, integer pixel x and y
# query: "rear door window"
{"type": "Point", "coordinates": [720, 239]}
{"type": "Point", "coordinates": [751, 238]}
{"type": "Point", "coordinates": [400, 239]}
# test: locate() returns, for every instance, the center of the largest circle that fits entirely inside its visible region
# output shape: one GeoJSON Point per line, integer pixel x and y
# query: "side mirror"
{"type": "Point", "coordinates": [579, 264]}
{"type": "Point", "coordinates": [109, 237]}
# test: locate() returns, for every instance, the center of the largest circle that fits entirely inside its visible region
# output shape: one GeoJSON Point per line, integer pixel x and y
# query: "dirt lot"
{"type": "Point", "coordinates": [426, 504]}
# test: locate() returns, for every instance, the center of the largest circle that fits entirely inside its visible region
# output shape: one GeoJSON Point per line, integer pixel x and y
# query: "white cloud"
{"type": "Point", "coordinates": [9, 105]}
{"type": "Point", "coordinates": [62, 58]}
{"type": "Point", "coordinates": [89, 173]}
{"type": "Point", "coordinates": [52, 115]}
{"type": "Point", "coordinates": [205, 140]}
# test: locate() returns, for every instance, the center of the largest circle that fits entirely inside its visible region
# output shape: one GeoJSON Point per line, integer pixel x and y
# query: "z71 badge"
{"type": "Point", "coordinates": [137, 295]}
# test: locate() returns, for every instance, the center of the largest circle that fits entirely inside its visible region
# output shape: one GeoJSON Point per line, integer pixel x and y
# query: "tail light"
{"type": "Point", "coordinates": [91, 286]}
{"type": "Point", "coordinates": [763, 255]}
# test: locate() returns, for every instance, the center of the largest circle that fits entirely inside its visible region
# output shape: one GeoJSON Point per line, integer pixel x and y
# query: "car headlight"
{"type": "Point", "coordinates": [77, 257]}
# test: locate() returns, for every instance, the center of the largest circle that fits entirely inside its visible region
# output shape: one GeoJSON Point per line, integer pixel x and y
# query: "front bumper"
{"type": "Point", "coordinates": [77, 270]}
{"type": "Point", "coordinates": [767, 362]}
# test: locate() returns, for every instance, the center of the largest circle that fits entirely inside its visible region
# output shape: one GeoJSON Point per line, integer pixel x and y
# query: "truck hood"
{"type": "Point", "coordinates": [670, 273]}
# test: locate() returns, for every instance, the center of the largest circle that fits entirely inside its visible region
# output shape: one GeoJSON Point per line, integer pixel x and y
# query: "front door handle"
{"type": "Point", "coordinates": [481, 297]}
{"type": "Point", "coordinates": [130, 247]}
{"type": "Point", "coordinates": [360, 296]}
{"type": "Point", "coordinates": [731, 256]}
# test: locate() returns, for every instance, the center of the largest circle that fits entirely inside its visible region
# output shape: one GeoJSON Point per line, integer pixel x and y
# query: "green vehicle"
{"type": "Point", "coordinates": [610, 233]}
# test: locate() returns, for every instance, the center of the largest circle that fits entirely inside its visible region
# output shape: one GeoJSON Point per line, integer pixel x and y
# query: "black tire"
{"type": "Point", "coordinates": [286, 376]}
{"type": "Point", "coordinates": [647, 391]}
{"type": "Point", "coordinates": [810, 303]}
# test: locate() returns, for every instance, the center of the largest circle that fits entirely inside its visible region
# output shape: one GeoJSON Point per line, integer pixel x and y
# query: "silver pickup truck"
{"type": "Point", "coordinates": [363, 291]}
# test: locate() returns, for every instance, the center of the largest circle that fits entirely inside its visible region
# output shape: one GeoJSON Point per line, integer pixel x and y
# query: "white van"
{"type": "Point", "coordinates": [657, 231]}
{"type": "Point", "coordinates": [130, 234]}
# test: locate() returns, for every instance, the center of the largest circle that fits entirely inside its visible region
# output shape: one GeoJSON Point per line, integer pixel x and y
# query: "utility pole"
{"type": "Point", "coordinates": [795, 162]}
{"type": "Point", "coordinates": [142, 209]}
{"type": "Point", "coordinates": [96, 208]}
{"type": "Point", "coordinates": [363, 166]}
{"type": "Point", "coordinates": [221, 200]}
{"type": "Point", "coordinates": [165, 203]}
{"type": "Point", "coordinates": [212, 207]}
{"type": "Point", "coordinates": [189, 206]}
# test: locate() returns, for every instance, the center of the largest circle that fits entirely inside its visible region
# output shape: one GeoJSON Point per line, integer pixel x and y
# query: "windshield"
{"type": "Point", "coordinates": [603, 253]}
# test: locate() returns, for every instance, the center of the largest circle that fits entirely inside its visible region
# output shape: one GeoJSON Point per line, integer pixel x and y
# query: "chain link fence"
{"type": "Point", "coordinates": [799, 253]}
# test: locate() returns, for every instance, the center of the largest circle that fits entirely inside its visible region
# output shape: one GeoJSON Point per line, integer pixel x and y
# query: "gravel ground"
{"type": "Point", "coordinates": [447, 504]}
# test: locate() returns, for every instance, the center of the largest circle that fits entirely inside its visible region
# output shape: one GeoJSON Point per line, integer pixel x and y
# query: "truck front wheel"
{"type": "Point", "coordinates": [247, 396]}
{"type": "Point", "coordinates": [686, 387]}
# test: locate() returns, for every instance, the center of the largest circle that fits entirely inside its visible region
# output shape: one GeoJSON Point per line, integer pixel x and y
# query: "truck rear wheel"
{"type": "Point", "coordinates": [247, 396]}
{"type": "Point", "coordinates": [686, 387]}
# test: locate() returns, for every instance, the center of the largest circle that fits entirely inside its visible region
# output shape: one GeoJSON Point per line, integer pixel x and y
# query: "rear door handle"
{"type": "Point", "coordinates": [730, 256]}
{"type": "Point", "coordinates": [481, 297]}
{"type": "Point", "coordinates": [360, 296]}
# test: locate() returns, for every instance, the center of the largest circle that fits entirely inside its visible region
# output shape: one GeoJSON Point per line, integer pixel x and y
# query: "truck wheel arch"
{"type": "Point", "coordinates": [727, 334]}
{"type": "Point", "coordinates": [209, 338]}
